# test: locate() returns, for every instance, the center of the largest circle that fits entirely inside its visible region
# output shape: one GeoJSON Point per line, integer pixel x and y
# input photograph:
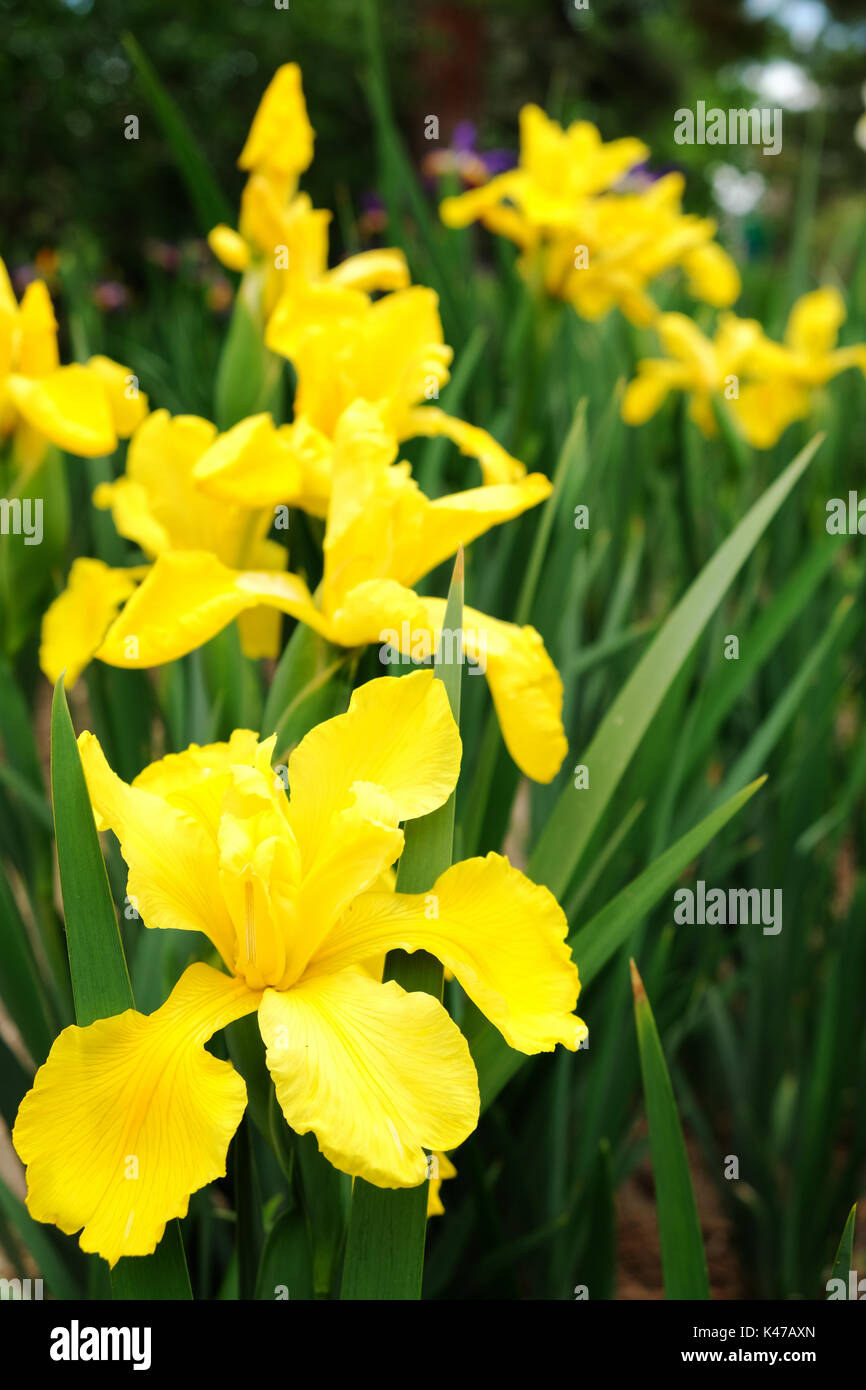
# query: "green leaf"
{"type": "Point", "coordinates": [34, 1236]}
{"type": "Point", "coordinates": [19, 745]}
{"type": "Point", "coordinates": [25, 570]}
{"type": "Point", "coordinates": [160, 1277]}
{"type": "Point", "coordinates": [844, 1261]}
{"type": "Point", "coordinates": [791, 602]}
{"type": "Point", "coordinates": [326, 1196]}
{"type": "Point", "coordinates": [572, 464]}
{"type": "Point", "coordinates": [576, 815]}
{"type": "Point", "coordinates": [100, 979]}
{"type": "Point", "coordinates": [20, 983]}
{"type": "Point", "coordinates": [249, 375]}
{"type": "Point", "coordinates": [387, 1228]}
{"type": "Point", "coordinates": [684, 1263]}
{"type": "Point", "coordinates": [310, 684]}
{"type": "Point", "coordinates": [594, 944]}
{"type": "Point", "coordinates": [210, 205]}
{"type": "Point", "coordinates": [249, 1233]}
{"type": "Point", "coordinates": [15, 1082]}
{"type": "Point", "coordinates": [286, 1260]}
{"type": "Point", "coordinates": [768, 733]}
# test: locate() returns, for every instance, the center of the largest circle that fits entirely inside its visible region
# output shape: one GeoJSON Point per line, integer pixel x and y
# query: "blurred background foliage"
{"type": "Point", "coordinates": [135, 279]}
{"type": "Point", "coordinates": [66, 85]}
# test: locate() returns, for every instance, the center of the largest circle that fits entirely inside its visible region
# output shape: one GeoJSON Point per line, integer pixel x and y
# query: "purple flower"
{"type": "Point", "coordinates": [473, 166]}
{"type": "Point", "coordinates": [110, 295]}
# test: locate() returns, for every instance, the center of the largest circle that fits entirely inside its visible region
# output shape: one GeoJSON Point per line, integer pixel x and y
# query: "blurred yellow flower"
{"type": "Point", "coordinates": [391, 352]}
{"type": "Point", "coordinates": [157, 505]}
{"type": "Point", "coordinates": [282, 238]}
{"type": "Point", "coordinates": [558, 170]}
{"type": "Point", "coordinates": [628, 241]}
{"type": "Point", "coordinates": [704, 368]}
{"type": "Point", "coordinates": [587, 239]}
{"type": "Point", "coordinates": [129, 1116]}
{"type": "Point", "coordinates": [80, 408]}
{"type": "Point", "coordinates": [765, 385]}
{"type": "Point", "coordinates": [382, 535]}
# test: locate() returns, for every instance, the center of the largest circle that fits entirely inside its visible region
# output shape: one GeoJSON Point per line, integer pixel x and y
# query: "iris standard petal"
{"type": "Point", "coordinates": [171, 856]}
{"type": "Point", "coordinates": [398, 735]}
{"type": "Point", "coordinates": [229, 247]}
{"type": "Point", "coordinates": [195, 780]}
{"type": "Point", "coordinates": [252, 463]}
{"type": "Point", "coordinates": [384, 268]}
{"type": "Point", "coordinates": [280, 137]}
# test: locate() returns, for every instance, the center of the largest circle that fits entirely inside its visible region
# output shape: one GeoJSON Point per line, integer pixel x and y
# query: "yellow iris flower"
{"type": "Point", "coordinates": [129, 1116]}
{"type": "Point", "coordinates": [342, 345]}
{"type": "Point", "coordinates": [282, 239]}
{"type": "Point", "coordinates": [558, 170]}
{"type": "Point", "coordinates": [590, 244]}
{"type": "Point", "coordinates": [391, 352]}
{"type": "Point", "coordinates": [382, 535]}
{"type": "Point", "coordinates": [81, 408]}
{"type": "Point", "coordinates": [630, 239]}
{"type": "Point", "coordinates": [157, 505]}
{"type": "Point", "coordinates": [765, 385]}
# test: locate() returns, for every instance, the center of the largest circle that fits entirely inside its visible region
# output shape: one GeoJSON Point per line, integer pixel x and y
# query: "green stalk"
{"type": "Point", "coordinates": [100, 979]}
{"type": "Point", "coordinates": [387, 1227]}
{"type": "Point", "coordinates": [684, 1263]}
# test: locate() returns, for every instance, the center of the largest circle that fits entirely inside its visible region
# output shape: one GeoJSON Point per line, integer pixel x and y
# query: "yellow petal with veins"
{"type": "Point", "coordinates": [502, 936]}
{"type": "Point", "coordinates": [377, 1074]}
{"type": "Point", "coordinates": [131, 1115]}
{"type": "Point", "coordinates": [172, 858]}
{"type": "Point", "coordinates": [398, 735]}
{"type": "Point", "coordinates": [187, 598]}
